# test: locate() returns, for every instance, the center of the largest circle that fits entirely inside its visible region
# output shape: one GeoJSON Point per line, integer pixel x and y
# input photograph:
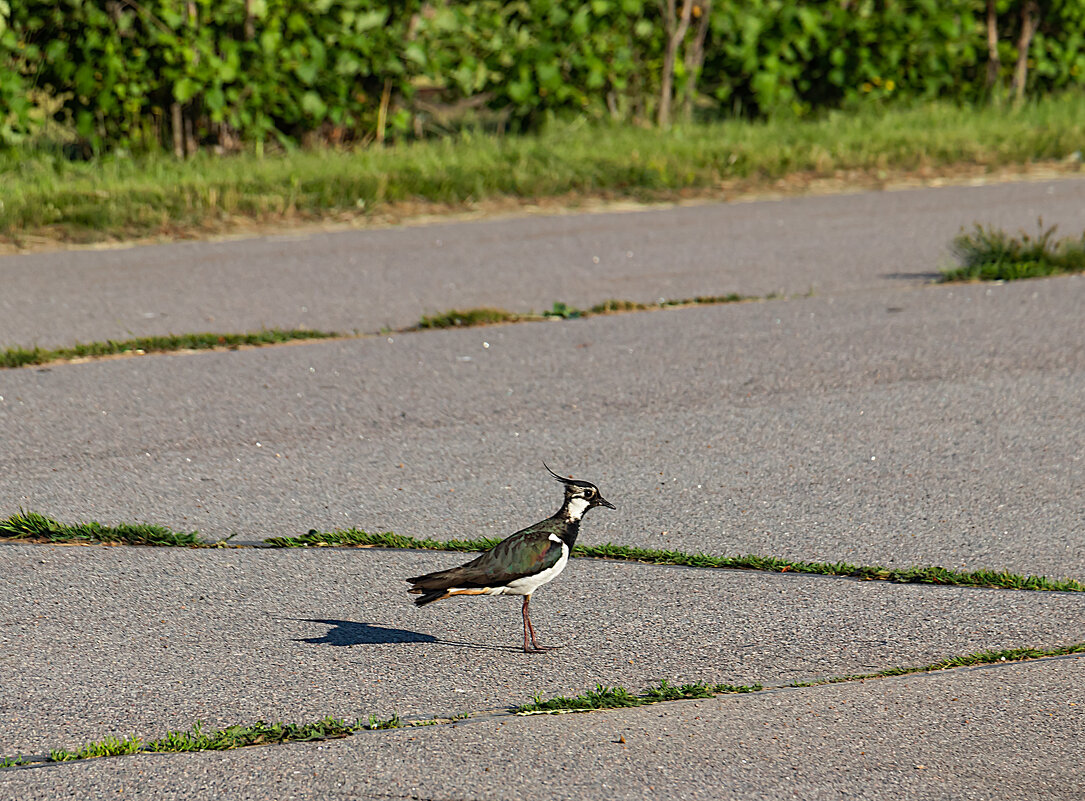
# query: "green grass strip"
{"type": "Point", "coordinates": [20, 357]}
{"type": "Point", "coordinates": [113, 197]}
{"type": "Point", "coordinates": [455, 318]}
{"type": "Point", "coordinates": [229, 738]}
{"type": "Point", "coordinates": [772, 564]}
{"type": "Point", "coordinates": [467, 318]}
{"type": "Point", "coordinates": [196, 739]}
{"type": "Point", "coordinates": [31, 526]}
{"type": "Point", "coordinates": [989, 254]}
{"type": "Point", "coordinates": [969, 660]}
{"type": "Point", "coordinates": [357, 538]}
{"type": "Point", "coordinates": [34, 527]}
{"type": "Point", "coordinates": [627, 553]}
{"type": "Point", "coordinates": [619, 697]}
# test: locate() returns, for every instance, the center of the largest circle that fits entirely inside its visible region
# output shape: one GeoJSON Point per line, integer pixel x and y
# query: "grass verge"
{"type": "Point", "coordinates": [600, 698]}
{"type": "Point", "coordinates": [990, 254]}
{"type": "Point", "coordinates": [772, 564]}
{"type": "Point", "coordinates": [20, 357]}
{"type": "Point", "coordinates": [112, 198]}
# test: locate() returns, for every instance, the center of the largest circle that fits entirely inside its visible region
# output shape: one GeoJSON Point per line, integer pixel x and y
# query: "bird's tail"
{"type": "Point", "coordinates": [428, 596]}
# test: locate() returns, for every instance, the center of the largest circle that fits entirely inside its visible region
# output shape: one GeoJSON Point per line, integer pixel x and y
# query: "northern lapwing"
{"type": "Point", "coordinates": [520, 564]}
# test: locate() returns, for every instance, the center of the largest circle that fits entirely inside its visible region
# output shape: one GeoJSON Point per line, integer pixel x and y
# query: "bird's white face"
{"type": "Point", "coordinates": [577, 507]}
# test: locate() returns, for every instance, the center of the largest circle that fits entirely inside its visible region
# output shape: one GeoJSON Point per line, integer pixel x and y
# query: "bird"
{"type": "Point", "coordinates": [521, 563]}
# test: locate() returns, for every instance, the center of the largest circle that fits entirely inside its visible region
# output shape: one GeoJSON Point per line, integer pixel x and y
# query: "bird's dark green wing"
{"type": "Point", "coordinates": [523, 554]}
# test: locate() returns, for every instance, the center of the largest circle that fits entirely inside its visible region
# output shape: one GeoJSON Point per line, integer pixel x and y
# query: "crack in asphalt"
{"type": "Point", "coordinates": [36, 761]}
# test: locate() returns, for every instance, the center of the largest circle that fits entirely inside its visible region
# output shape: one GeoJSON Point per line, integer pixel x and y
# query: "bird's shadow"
{"type": "Point", "coordinates": [348, 632]}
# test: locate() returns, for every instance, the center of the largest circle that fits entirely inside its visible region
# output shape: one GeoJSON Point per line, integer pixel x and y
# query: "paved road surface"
{"type": "Point", "coordinates": [1008, 732]}
{"type": "Point", "coordinates": [832, 428]}
{"type": "Point", "coordinates": [367, 279]}
{"type": "Point", "coordinates": [881, 420]}
{"type": "Point", "coordinates": [114, 641]}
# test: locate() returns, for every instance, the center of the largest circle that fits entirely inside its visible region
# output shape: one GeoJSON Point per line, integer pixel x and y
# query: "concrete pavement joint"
{"type": "Point", "coordinates": [602, 698]}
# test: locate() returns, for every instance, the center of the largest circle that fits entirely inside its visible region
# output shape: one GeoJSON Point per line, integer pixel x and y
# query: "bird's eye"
{"type": "Point", "coordinates": [589, 493]}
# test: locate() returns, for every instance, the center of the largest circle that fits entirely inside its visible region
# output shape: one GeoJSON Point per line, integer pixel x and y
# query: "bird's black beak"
{"type": "Point", "coordinates": [600, 501]}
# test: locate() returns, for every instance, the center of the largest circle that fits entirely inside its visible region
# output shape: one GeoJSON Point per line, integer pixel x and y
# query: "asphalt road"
{"type": "Point", "coordinates": [881, 420]}
{"type": "Point", "coordinates": [1011, 732]}
{"type": "Point", "coordinates": [113, 641]}
{"type": "Point", "coordinates": [831, 428]}
{"type": "Point", "coordinates": [363, 280]}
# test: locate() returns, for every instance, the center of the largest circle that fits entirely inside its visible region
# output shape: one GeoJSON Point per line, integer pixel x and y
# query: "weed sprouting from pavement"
{"type": "Point", "coordinates": [619, 697]}
{"type": "Point", "coordinates": [990, 254]}
{"type": "Point", "coordinates": [110, 746]}
{"type": "Point", "coordinates": [33, 527]}
{"type": "Point", "coordinates": [196, 739]}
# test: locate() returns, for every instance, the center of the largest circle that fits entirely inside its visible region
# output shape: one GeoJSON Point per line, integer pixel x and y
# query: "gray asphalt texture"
{"type": "Point", "coordinates": [1012, 731]}
{"type": "Point", "coordinates": [115, 641]}
{"type": "Point", "coordinates": [363, 280]}
{"type": "Point", "coordinates": [828, 428]}
{"type": "Point", "coordinates": [881, 420]}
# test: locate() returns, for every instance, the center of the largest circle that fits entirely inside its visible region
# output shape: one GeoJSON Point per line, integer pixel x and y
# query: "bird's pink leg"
{"type": "Point", "coordinates": [536, 648]}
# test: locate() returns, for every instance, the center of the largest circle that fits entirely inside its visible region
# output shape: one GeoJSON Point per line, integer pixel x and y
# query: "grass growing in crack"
{"type": "Point", "coordinates": [110, 746]}
{"type": "Point", "coordinates": [601, 697]}
{"type": "Point", "coordinates": [231, 737]}
{"type": "Point", "coordinates": [915, 575]}
{"type": "Point", "coordinates": [772, 564]}
{"type": "Point", "coordinates": [980, 658]}
{"type": "Point", "coordinates": [619, 697]}
{"type": "Point", "coordinates": [196, 739]}
{"type": "Point", "coordinates": [20, 357]}
{"type": "Point", "coordinates": [467, 318]}
{"type": "Point", "coordinates": [563, 311]}
{"type": "Point", "coordinates": [989, 254]}
{"type": "Point", "coordinates": [33, 527]}
{"type": "Point", "coordinates": [260, 733]}
{"type": "Point", "coordinates": [363, 539]}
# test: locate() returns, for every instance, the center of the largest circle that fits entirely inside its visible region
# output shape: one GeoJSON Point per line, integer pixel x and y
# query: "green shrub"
{"type": "Point", "coordinates": [185, 74]}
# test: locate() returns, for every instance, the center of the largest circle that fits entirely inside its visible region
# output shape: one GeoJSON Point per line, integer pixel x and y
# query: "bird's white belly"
{"type": "Point", "coordinates": [528, 584]}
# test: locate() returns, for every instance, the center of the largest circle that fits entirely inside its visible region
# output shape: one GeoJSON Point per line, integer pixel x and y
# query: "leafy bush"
{"type": "Point", "coordinates": [191, 73]}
